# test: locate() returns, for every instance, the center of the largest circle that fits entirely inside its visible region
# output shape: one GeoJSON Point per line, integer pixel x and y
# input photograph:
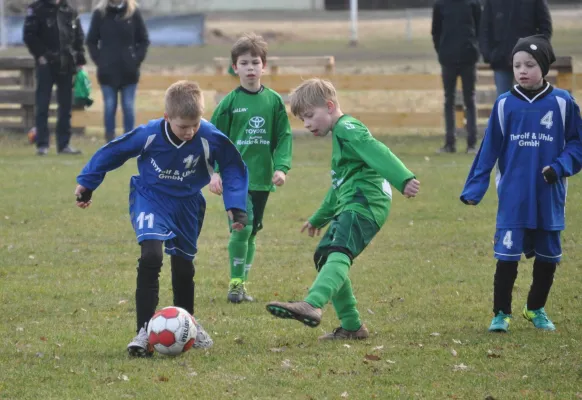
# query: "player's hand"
{"type": "Point", "coordinates": [83, 196]}
{"type": "Point", "coordinates": [216, 184]}
{"type": "Point", "coordinates": [279, 178]}
{"type": "Point", "coordinates": [411, 189]}
{"type": "Point", "coordinates": [311, 230]}
{"type": "Point", "coordinates": [550, 175]}
{"type": "Point", "coordinates": [239, 218]}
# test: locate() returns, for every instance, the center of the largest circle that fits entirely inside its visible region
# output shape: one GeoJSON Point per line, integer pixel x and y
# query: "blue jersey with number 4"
{"type": "Point", "coordinates": [522, 137]}
{"type": "Point", "coordinates": [170, 169]}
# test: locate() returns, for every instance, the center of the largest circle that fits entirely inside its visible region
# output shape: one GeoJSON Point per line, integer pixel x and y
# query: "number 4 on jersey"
{"type": "Point", "coordinates": [507, 242]}
{"type": "Point", "coordinates": [547, 120]}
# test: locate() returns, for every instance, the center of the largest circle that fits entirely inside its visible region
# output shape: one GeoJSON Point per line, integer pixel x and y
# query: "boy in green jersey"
{"type": "Point", "coordinates": [355, 207]}
{"type": "Point", "coordinates": [255, 119]}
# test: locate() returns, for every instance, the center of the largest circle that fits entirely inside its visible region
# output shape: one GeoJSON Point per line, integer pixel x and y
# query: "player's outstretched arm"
{"type": "Point", "coordinates": [478, 180]}
{"type": "Point", "coordinates": [112, 156]}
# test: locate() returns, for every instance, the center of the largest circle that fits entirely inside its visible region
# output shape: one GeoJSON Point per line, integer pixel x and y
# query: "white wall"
{"type": "Point", "coordinates": [178, 6]}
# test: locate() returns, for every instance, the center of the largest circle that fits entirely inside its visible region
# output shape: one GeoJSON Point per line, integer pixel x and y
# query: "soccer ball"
{"type": "Point", "coordinates": [172, 331]}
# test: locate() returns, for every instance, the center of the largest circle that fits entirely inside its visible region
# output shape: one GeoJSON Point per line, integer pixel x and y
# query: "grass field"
{"type": "Point", "coordinates": [424, 287]}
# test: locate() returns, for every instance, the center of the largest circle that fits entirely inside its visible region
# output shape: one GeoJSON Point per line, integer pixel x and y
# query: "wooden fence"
{"type": "Point", "coordinates": [17, 94]}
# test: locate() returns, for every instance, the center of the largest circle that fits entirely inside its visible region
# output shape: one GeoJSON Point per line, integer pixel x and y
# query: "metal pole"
{"type": "Point", "coordinates": [408, 24]}
{"type": "Point", "coordinates": [354, 22]}
{"type": "Point", "coordinates": [3, 39]}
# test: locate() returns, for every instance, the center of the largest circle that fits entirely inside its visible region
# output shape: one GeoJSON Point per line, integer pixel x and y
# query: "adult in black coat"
{"type": "Point", "coordinates": [54, 36]}
{"type": "Point", "coordinates": [503, 23]}
{"type": "Point", "coordinates": [455, 25]}
{"type": "Point", "coordinates": [118, 42]}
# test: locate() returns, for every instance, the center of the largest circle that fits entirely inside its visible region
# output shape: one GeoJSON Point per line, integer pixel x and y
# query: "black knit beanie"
{"type": "Point", "coordinates": [540, 49]}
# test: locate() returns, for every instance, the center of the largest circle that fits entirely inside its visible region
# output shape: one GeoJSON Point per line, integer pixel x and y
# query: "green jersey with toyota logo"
{"type": "Point", "coordinates": [362, 170]}
{"type": "Point", "coordinates": [258, 125]}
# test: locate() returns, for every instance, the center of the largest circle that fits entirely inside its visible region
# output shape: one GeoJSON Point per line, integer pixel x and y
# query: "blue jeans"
{"type": "Point", "coordinates": [503, 80]}
{"type": "Point", "coordinates": [110, 95]}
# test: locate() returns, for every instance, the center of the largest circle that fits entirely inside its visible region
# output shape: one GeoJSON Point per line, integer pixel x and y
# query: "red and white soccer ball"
{"type": "Point", "coordinates": [172, 331]}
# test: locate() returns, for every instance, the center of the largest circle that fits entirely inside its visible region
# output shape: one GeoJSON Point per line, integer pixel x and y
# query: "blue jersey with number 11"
{"type": "Point", "coordinates": [178, 170]}
{"type": "Point", "coordinates": [522, 137]}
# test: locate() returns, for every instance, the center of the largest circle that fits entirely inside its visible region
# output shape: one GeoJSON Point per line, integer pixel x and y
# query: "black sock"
{"type": "Point", "coordinates": [183, 283]}
{"type": "Point", "coordinates": [505, 274]}
{"type": "Point", "coordinates": [543, 277]}
{"type": "Point", "coordinates": [148, 286]}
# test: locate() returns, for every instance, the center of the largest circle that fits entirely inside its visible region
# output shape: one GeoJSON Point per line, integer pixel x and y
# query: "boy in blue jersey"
{"type": "Point", "coordinates": [534, 136]}
{"type": "Point", "coordinates": [175, 159]}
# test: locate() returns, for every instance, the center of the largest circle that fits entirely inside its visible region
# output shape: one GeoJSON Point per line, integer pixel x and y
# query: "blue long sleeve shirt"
{"type": "Point", "coordinates": [173, 169]}
{"type": "Point", "coordinates": [523, 136]}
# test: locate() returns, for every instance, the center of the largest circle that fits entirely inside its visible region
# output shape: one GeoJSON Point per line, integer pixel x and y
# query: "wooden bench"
{"type": "Point", "coordinates": [221, 64]}
{"type": "Point", "coordinates": [17, 96]}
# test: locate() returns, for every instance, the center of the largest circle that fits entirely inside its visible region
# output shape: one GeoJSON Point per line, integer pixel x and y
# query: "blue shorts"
{"type": "Point", "coordinates": [175, 221]}
{"type": "Point", "coordinates": [509, 244]}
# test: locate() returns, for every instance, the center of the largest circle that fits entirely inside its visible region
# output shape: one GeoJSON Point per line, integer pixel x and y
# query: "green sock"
{"type": "Point", "coordinates": [252, 245]}
{"type": "Point", "coordinates": [237, 251]}
{"type": "Point", "coordinates": [329, 281]}
{"type": "Point", "coordinates": [344, 303]}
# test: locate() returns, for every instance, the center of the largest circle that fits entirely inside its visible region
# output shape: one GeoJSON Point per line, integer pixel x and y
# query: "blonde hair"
{"type": "Point", "coordinates": [312, 93]}
{"type": "Point", "coordinates": [249, 43]}
{"type": "Point", "coordinates": [131, 7]}
{"type": "Point", "coordinates": [184, 99]}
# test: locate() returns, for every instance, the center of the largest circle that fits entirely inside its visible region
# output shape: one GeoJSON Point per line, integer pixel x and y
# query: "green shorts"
{"type": "Point", "coordinates": [348, 233]}
{"type": "Point", "coordinates": [256, 203]}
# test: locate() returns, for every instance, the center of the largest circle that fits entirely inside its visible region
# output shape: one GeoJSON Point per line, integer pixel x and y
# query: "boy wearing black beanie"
{"type": "Point", "coordinates": [534, 137]}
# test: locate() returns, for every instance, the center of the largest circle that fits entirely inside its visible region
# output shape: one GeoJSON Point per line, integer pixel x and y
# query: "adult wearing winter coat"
{"type": "Point", "coordinates": [503, 23]}
{"type": "Point", "coordinates": [118, 43]}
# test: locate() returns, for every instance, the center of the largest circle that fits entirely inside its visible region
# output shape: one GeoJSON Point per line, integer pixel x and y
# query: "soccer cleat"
{"type": "Point", "coordinates": [472, 150]}
{"type": "Point", "coordinates": [300, 310]}
{"type": "Point", "coordinates": [539, 318]}
{"type": "Point", "coordinates": [235, 291]}
{"type": "Point", "coordinates": [139, 346]}
{"type": "Point", "coordinates": [203, 339]}
{"type": "Point", "coordinates": [246, 295]}
{"type": "Point", "coordinates": [500, 322]}
{"type": "Point", "coordinates": [343, 334]}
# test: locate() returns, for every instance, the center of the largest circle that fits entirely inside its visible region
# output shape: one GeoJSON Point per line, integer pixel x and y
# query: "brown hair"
{"type": "Point", "coordinates": [184, 99]}
{"type": "Point", "coordinates": [312, 93]}
{"type": "Point", "coordinates": [249, 43]}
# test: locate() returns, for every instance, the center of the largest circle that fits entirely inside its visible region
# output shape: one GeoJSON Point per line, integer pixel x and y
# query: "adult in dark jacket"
{"type": "Point", "coordinates": [503, 23]}
{"type": "Point", "coordinates": [54, 36]}
{"type": "Point", "coordinates": [118, 43]}
{"type": "Point", "coordinates": [455, 24]}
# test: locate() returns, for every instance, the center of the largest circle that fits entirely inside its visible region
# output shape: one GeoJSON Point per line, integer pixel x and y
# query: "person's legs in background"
{"type": "Point", "coordinates": [503, 80]}
{"type": "Point", "coordinates": [44, 88]}
{"type": "Point", "coordinates": [110, 109]}
{"type": "Point", "coordinates": [128, 106]}
{"type": "Point", "coordinates": [468, 78]}
{"type": "Point", "coordinates": [65, 104]}
{"type": "Point", "coordinates": [449, 76]}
